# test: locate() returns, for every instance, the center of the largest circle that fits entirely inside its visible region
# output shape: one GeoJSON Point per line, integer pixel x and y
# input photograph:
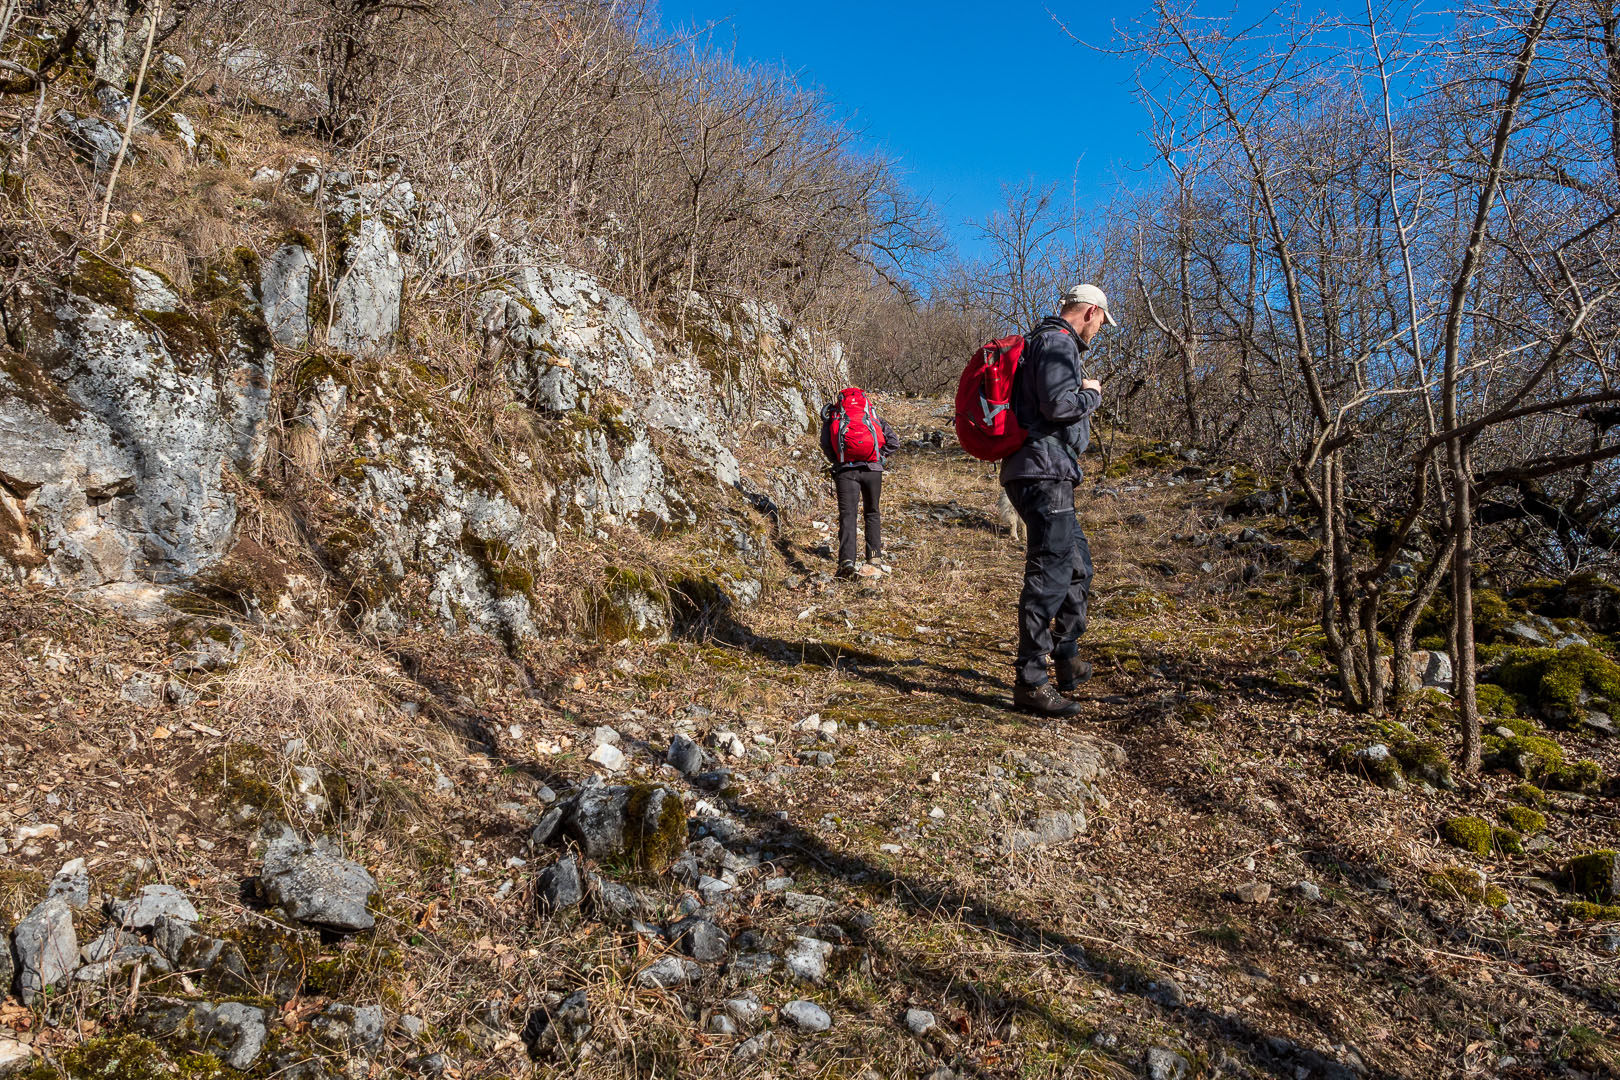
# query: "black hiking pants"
{"type": "Point", "coordinates": [855, 488]}
{"type": "Point", "coordinates": [1057, 576]}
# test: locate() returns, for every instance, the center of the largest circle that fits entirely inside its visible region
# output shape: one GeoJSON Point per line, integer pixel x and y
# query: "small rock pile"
{"type": "Point", "coordinates": [190, 977]}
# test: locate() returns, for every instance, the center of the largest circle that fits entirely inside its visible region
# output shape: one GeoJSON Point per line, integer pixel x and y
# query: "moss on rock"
{"type": "Point", "coordinates": [1595, 875]}
{"type": "Point", "coordinates": [1478, 836]}
{"type": "Point", "coordinates": [1518, 725]}
{"type": "Point", "coordinates": [1495, 701]}
{"type": "Point", "coordinates": [1582, 776]}
{"type": "Point", "coordinates": [1529, 795]}
{"type": "Point", "coordinates": [127, 1056]}
{"type": "Point", "coordinates": [1560, 678]}
{"type": "Point", "coordinates": [94, 278]}
{"type": "Point", "coordinates": [241, 776]}
{"type": "Point", "coordinates": [1524, 820]}
{"type": "Point", "coordinates": [1469, 833]}
{"type": "Point", "coordinates": [1418, 755]}
{"type": "Point", "coordinates": [1533, 757]}
{"type": "Point", "coordinates": [1587, 911]}
{"type": "Point", "coordinates": [656, 827]}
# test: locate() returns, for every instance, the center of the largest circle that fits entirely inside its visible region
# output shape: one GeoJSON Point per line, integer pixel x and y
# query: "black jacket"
{"type": "Point", "coordinates": [1051, 406]}
{"type": "Point", "coordinates": [890, 445]}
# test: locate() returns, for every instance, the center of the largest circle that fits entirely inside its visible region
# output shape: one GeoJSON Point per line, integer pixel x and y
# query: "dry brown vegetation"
{"type": "Point", "coordinates": [1050, 963]}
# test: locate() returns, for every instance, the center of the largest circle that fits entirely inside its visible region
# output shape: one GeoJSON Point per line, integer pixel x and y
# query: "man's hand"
{"type": "Point", "coordinates": [1091, 384]}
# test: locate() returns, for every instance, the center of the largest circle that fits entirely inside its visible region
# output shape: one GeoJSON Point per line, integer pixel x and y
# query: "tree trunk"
{"type": "Point", "coordinates": [109, 31]}
{"type": "Point", "coordinates": [1462, 604]}
{"type": "Point", "coordinates": [1406, 625]}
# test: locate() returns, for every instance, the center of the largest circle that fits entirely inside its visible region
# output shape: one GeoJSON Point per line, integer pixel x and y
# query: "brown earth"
{"type": "Point", "coordinates": [1069, 960]}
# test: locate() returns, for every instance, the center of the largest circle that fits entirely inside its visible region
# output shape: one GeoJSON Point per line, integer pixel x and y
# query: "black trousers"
{"type": "Point", "coordinates": [855, 488]}
{"type": "Point", "coordinates": [1057, 576]}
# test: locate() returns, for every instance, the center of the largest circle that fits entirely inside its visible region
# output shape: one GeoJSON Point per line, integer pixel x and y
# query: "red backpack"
{"type": "Point", "coordinates": [985, 424]}
{"type": "Point", "coordinates": [852, 428]}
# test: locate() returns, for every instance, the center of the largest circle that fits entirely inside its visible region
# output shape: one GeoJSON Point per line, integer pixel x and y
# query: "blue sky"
{"type": "Point", "coordinates": [966, 95]}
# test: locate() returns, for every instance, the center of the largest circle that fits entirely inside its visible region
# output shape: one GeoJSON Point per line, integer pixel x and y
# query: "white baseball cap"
{"type": "Point", "coordinates": [1089, 294]}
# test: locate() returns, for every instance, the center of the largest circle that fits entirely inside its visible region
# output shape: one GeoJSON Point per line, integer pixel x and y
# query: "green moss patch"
{"type": "Point", "coordinates": [1582, 776]}
{"type": "Point", "coordinates": [1587, 911]}
{"type": "Point", "coordinates": [1531, 756]}
{"type": "Point", "coordinates": [1518, 725]}
{"type": "Point", "coordinates": [1529, 795]}
{"type": "Point", "coordinates": [656, 832]}
{"type": "Point", "coordinates": [1595, 875]}
{"type": "Point", "coordinates": [1478, 836]}
{"type": "Point", "coordinates": [1557, 678]}
{"type": "Point", "coordinates": [131, 1057]}
{"type": "Point", "coordinates": [1419, 755]}
{"type": "Point", "coordinates": [1522, 819]}
{"type": "Point", "coordinates": [1494, 701]}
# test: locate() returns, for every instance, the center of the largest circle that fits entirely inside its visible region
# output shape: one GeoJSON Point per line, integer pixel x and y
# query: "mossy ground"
{"type": "Point", "coordinates": [1559, 677]}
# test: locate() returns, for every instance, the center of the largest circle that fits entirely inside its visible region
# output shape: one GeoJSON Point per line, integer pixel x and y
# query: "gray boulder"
{"type": "Point", "coordinates": [155, 902]}
{"type": "Point", "coordinates": [15, 1056]}
{"type": "Point", "coordinates": [315, 885]}
{"type": "Point", "coordinates": [1433, 668]}
{"type": "Point", "coordinates": [425, 517]}
{"type": "Point", "coordinates": [807, 958]}
{"type": "Point", "coordinates": [686, 755]}
{"type": "Point", "coordinates": [646, 824]}
{"type": "Point", "coordinates": [47, 947]}
{"type": "Point", "coordinates": [806, 1016]}
{"type": "Point", "coordinates": [1164, 1064]}
{"type": "Point", "coordinates": [1048, 828]}
{"type": "Point", "coordinates": [121, 960]}
{"type": "Point", "coordinates": [284, 277]}
{"type": "Point", "coordinates": [365, 302]}
{"type": "Point", "coordinates": [745, 1009]}
{"type": "Point", "coordinates": [91, 136]}
{"type": "Point", "coordinates": [119, 428]}
{"type": "Point", "coordinates": [559, 886]}
{"type": "Point", "coordinates": [71, 883]}
{"type": "Point", "coordinates": [152, 291]}
{"type": "Point", "coordinates": [232, 1031]}
{"type": "Point", "coordinates": [919, 1021]}
{"type": "Point", "coordinates": [617, 902]}
{"type": "Point", "coordinates": [348, 1027]}
{"type": "Point", "coordinates": [699, 938]}
{"type": "Point", "coordinates": [753, 1048]}
{"type": "Point", "coordinates": [169, 936]}
{"type": "Point", "coordinates": [669, 972]}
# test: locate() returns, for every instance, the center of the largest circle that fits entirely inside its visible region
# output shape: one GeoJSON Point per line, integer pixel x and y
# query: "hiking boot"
{"type": "Point", "coordinates": [845, 570]}
{"type": "Point", "coordinates": [1042, 700]}
{"type": "Point", "coordinates": [1071, 672]}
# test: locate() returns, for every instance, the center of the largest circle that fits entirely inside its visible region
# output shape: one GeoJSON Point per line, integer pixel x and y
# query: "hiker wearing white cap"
{"type": "Point", "coordinates": [1053, 400]}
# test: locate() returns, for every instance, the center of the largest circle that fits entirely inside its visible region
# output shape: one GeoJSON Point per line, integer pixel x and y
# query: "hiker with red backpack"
{"type": "Point", "coordinates": [1027, 403]}
{"type": "Point", "coordinates": [857, 442]}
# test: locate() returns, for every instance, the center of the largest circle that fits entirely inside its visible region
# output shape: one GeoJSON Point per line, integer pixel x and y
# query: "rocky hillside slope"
{"type": "Point", "coordinates": [811, 839]}
{"type": "Point", "coordinates": [351, 407]}
{"type": "Point", "coordinates": [416, 661]}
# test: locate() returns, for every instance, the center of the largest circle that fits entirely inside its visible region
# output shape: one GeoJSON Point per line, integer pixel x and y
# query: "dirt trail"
{"type": "Point", "coordinates": [1213, 898]}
